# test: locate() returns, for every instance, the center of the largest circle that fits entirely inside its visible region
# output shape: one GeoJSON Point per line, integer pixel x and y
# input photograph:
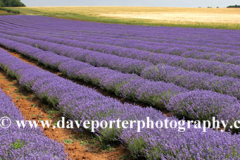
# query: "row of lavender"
{"type": "Point", "coordinates": [223, 37]}
{"type": "Point", "coordinates": [127, 85]}
{"type": "Point", "coordinates": [82, 103]}
{"type": "Point", "coordinates": [212, 67]}
{"type": "Point", "coordinates": [126, 65]}
{"type": "Point", "coordinates": [173, 48]}
{"type": "Point", "coordinates": [24, 143]}
{"type": "Point", "coordinates": [187, 79]}
{"type": "Point", "coordinates": [179, 49]}
{"type": "Point", "coordinates": [131, 86]}
{"type": "Point", "coordinates": [183, 50]}
{"type": "Point", "coordinates": [200, 44]}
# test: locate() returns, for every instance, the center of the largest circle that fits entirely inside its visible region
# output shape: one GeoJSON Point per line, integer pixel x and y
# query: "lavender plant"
{"type": "Point", "coordinates": [25, 143]}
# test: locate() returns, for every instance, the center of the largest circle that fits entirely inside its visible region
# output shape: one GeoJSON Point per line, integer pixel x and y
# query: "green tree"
{"type": "Point", "coordinates": [11, 3]}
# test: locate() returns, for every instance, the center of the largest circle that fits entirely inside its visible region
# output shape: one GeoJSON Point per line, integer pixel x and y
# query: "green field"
{"type": "Point", "coordinates": [220, 18]}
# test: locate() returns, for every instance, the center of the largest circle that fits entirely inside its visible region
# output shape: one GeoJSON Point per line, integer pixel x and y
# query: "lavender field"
{"type": "Point", "coordinates": [192, 73]}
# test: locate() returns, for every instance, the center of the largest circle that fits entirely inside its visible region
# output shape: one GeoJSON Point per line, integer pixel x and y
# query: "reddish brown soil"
{"type": "Point", "coordinates": [33, 109]}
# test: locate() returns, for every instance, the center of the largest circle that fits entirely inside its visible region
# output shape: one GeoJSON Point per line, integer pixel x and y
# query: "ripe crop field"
{"type": "Point", "coordinates": [97, 71]}
{"type": "Point", "coordinates": [222, 18]}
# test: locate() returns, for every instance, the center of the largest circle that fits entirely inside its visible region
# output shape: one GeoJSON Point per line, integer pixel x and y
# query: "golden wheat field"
{"type": "Point", "coordinates": [228, 17]}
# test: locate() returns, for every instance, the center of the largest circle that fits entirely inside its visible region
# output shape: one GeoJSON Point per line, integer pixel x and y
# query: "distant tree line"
{"type": "Point", "coordinates": [234, 6]}
{"type": "Point", "coordinates": [11, 3]}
